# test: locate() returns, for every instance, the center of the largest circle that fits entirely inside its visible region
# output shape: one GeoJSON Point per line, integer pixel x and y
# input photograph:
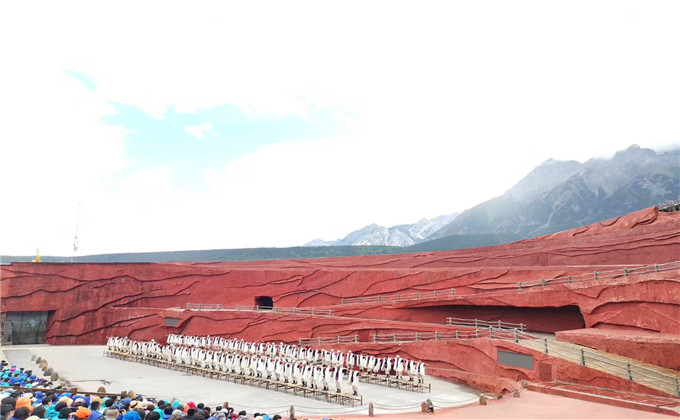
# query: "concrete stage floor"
{"type": "Point", "coordinates": [87, 368]}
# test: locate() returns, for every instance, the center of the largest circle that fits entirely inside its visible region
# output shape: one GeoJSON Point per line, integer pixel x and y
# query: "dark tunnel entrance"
{"type": "Point", "coordinates": [546, 319]}
{"type": "Point", "coordinates": [264, 302]}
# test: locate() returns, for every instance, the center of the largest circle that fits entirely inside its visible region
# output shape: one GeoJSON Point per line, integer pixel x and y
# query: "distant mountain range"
{"type": "Point", "coordinates": [400, 235]}
{"type": "Point", "coordinates": [555, 196]}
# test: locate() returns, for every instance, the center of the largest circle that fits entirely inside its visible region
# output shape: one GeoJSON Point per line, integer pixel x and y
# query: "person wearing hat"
{"type": "Point", "coordinates": [25, 402]}
{"type": "Point", "coordinates": [111, 414]}
{"type": "Point", "coordinates": [82, 413]}
{"type": "Point", "coordinates": [66, 399]}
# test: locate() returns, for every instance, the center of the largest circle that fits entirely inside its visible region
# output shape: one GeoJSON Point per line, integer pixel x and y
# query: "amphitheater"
{"type": "Point", "coordinates": [591, 313]}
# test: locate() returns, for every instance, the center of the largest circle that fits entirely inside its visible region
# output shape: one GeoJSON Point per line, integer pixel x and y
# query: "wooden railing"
{"type": "Point", "coordinates": [400, 297]}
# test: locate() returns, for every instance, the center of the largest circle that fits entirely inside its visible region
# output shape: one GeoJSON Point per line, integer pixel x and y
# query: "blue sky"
{"type": "Point", "coordinates": [219, 126]}
{"type": "Point", "coordinates": [232, 133]}
{"type": "Point", "coordinates": [223, 133]}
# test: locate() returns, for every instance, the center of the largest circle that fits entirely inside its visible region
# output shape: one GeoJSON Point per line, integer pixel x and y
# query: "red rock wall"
{"type": "Point", "coordinates": [92, 301]}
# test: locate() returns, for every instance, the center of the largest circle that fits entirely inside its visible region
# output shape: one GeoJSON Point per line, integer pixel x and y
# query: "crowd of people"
{"type": "Point", "coordinates": [12, 375]}
{"type": "Point", "coordinates": [58, 405]}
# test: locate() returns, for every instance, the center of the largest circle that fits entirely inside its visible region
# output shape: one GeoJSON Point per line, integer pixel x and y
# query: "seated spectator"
{"type": "Point", "coordinates": [111, 414]}
{"type": "Point", "coordinates": [21, 413]}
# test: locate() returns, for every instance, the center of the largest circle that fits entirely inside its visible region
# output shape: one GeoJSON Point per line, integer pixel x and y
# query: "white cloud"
{"type": "Point", "coordinates": [199, 131]}
{"type": "Point", "coordinates": [55, 153]}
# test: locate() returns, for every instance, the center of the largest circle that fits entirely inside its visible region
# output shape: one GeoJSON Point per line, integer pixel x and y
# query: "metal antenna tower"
{"type": "Point", "coordinates": [75, 236]}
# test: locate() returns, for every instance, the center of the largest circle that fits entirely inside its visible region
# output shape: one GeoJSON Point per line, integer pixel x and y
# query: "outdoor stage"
{"type": "Point", "coordinates": [88, 368]}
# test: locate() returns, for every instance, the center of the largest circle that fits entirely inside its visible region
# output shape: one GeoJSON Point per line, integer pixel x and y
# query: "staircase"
{"type": "Point", "coordinates": [656, 377]}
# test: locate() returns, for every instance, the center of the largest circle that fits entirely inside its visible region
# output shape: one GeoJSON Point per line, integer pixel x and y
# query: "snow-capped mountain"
{"type": "Point", "coordinates": [558, 195]}
{"type": "Point", "coordinates": [399, 235]}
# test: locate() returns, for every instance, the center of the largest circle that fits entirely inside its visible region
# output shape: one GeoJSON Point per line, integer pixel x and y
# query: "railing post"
{"type": "Point", "coordinates": [294, 309]}
{"type": "Point", "coordinates": [583, 357]}
{"type": "Point", "coordinates": [342, 301]}
{"type": "Point", "coordinates": [356, 338]}
{"type": "Point", "coordinates": [490, 331]}
{"type": "Point", "coordinates": [630, 372]}
{"type": "Point", "coordinates": [312, 311]}
{"type": "Point", "coordinates": [374, 337]}
{"type": "Point", "coordinates": [543, 282]}
{"type": "Point", "coordinates": [416, 335]}
{"type": "Point", "coordinates": [257, 307]}
{"type": "Point", "coordinates": [595, 273]}
{"type": "Point", "coordinates": [199, 306]}
{"type": "Point", "coordinates": [436, 336]}
{"type": "Point", "coordinates": [656, 268]}
{"type": "Point", "coordinates": [359, 299]}
{"type": "Point", "coordinates": [416, 295]}
{"type": "Point", "coordinates": [457, 336]}
{"type": "Point", "coordinates": [319, 340]}
{"type": "Point", "coordinates": [330, 312]}
{"type": "Point", "coordinates": [435, 294]}
{"type": "Point", "coordinates": [378, 298]}
{"type": "Point", "coordinates": [477, 333]}
{"type": "Point", "coordinates": [398, 296]}
{"type": "Point", "coordinates": [499, 324]}
{"type": "Point", "coordinates": [677, 386]}
{"type": "Point", "coordinates": [625, 272]}
{"type": "Point", "coordinates": [476, 326]}
{"type": "Point", "coordinates": [394, 337]}
{"type": "Point", "coordinates": [545, 345]}
{"type": "Point", "coordinates": [338, 339]}
{"type": "Point", "coordinates": [570, 279]}
{"type": "Point", "coordinates": [300, 342]}
{"type": "Point", "coordinates": [516, 336]}
{"type": "Point", "coordinates": [519, 285]}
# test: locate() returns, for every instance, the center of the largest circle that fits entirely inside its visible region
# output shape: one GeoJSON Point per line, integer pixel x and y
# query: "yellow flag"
{"type": "Point", "coordinates": [37, 256]}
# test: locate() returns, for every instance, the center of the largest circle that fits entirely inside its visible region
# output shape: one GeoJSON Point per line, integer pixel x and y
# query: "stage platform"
{"type": "Point", "coordinates": [88, 368]}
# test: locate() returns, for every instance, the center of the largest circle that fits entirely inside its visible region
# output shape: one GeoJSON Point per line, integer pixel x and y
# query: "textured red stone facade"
{"type": "Point", "coordinates": [92, 301]}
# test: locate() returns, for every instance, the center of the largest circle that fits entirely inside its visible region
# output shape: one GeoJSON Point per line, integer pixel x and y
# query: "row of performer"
{"type": "Point", "coordinates": [293, 353]}
{"type": "Point", "coordinates": [311, 376]}
{"type": "Point", "coordinates": [236, 357]}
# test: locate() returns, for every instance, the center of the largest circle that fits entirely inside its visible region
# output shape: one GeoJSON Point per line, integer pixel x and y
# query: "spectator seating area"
{"type": "Point", "coordinates": [20, 401]}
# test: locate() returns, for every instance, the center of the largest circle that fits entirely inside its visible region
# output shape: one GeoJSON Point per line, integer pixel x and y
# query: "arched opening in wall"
{"type": "Point", "coordinates": [264, 302]}
{"type": "Point", "coordinates": [542, 319]}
